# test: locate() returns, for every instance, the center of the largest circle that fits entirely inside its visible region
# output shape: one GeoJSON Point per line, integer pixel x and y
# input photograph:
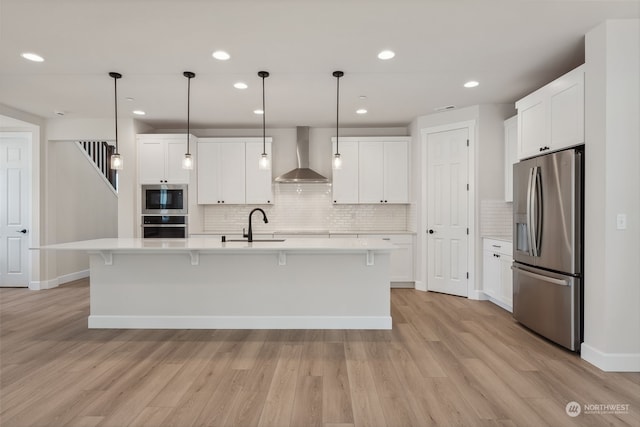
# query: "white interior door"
{"type": "Point", "coordinates": [447, 207]}
{"type": "Point", "coordinates": [14, 209]}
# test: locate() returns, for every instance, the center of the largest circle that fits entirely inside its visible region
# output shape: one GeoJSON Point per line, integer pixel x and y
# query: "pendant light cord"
{"type": "Point", "coordinates": [263, 75]}
{"type": "Point", "coordinates": [115, 77]}
{"type": "Point", "coordinates": [337, 75]}
{"type": "Point", "coordinates": [189, 75]}
{"type": "Point", "coordinates": [188, 111]}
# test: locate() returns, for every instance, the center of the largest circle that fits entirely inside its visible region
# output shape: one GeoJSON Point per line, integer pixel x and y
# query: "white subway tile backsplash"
{"type": "Point", "coordinates": [307, 207]}
{"type": "Point", "coordinates": [496, 218]}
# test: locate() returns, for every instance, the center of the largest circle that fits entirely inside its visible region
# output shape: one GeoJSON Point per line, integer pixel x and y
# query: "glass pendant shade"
{"type": "Point", "coordinates": [337, 161]}
{"type": "Point", "coordinates": [187, 161]}
{"type": "Point", "coordinates": [264, 163]}
{"type": "Point", "coordinates": [116, 161]}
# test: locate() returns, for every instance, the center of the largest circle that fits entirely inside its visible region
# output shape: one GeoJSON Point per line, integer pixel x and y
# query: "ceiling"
{"type": "Point", "coordinates": [511, 47]}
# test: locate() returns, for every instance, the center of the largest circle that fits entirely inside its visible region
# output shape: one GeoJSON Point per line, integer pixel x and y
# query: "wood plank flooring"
{"type": "Point", "coordinates": [448, 361]}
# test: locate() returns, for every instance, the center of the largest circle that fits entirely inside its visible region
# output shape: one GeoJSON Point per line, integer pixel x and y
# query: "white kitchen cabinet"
{"type": "Point", "coordinates": [510, 155]}
{"type": "Point", "coordinates": [160, 158]}
{"type": "Point", "coordinates": [383, 173]}
{"type": "Point", "coordinates": [221, 173]}
{"type": "Point", "coordinates": [344, 185]}
{"type": "Point", "coordinates": [374, 170]}
{"type": "Point", "coordinates": [401, 260]}
{"type": "Point", "coordinates": [228, 172]}
{"type": "Point", "coordinates": [258, 182]}
{"type": "Point", "coordinates": [497, 278]}
{"type": "Point", "coordinates": [552, 118]}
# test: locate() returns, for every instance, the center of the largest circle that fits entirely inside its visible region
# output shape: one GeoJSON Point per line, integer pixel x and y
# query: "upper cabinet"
{"type": "Point", "coordinates": [374, 170]}
{"type": "Point", "coordinates": [510, 155]}
{"type": "Point", "coordinates": [552, 118]}
{"type": "Point", "coordinates": [160, 158]}
{"type": "Point", "coordinates": [345, 180]}
{"type": "Point", "coordinates": [258, 185]}
{"type": "Point", "coordinates": [228, 172]}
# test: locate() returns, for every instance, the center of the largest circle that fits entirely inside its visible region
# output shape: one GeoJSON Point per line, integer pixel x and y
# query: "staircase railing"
{"type": "Point", "coordinates": [100, 152]}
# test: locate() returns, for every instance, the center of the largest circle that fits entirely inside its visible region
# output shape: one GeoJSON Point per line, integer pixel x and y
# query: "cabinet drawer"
{"type": "Point", "coordinates": [499, 246]}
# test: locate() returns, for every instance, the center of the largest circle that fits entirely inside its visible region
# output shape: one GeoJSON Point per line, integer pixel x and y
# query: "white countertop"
{"type": "Point", "coordinates": [304, 232]}
{"type": "Point", "coordinates": [215, 245]}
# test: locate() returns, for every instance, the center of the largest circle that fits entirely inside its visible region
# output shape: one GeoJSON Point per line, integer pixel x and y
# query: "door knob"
{"type": "Point", "coordinates": [431, 231]}
{"type": "Point", "coordinates": [23, 231]}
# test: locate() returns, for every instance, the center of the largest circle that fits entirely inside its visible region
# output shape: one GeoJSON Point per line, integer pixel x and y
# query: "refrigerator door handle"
{"type": "Point", "coordinates": [530, 202]}
{"type": "Point", "coordinates": [537, 210]}
{"type": "Point", "coordinates": [548, 279]}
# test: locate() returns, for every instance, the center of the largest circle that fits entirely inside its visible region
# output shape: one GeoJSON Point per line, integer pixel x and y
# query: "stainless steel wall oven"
{"type": "Point", "coordinates": [164, 199]}
{"type": "Point", "coordinates": [164, 226]}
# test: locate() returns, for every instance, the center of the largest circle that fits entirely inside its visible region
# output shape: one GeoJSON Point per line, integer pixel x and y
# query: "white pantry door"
{"type": "Point", "coordinates": [447, 207]}
{"type": "Point", "coordinates": [14, 204]}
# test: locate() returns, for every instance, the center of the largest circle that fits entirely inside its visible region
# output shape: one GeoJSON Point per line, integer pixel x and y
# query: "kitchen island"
{"type": "Point", "coordinates": [202, 283]}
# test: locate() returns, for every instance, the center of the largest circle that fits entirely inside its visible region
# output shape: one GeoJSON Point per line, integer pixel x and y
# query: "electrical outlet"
{"type": "Point", "coordinates": [621, 221]}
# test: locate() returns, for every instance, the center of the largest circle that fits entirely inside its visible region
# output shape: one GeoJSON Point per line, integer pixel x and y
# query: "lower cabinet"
{"type": "Point", "coordinates": [401, 259]}
{"type": "Point", "coordinates": [497, 279]}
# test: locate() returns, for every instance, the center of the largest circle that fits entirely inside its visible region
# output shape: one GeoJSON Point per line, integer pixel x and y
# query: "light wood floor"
{"type": "Point", "coordinates": [447, 361]}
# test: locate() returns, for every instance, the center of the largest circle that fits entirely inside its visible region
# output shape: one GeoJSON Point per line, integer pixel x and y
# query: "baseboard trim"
{"type": "Point", "coordinates": [476, 295]}
{"type": "Point", "coordinates": [239, 322]}
{"type": "Point", "coordinates": [71, 277]}
{"type": "Point", "coordinates": [421, 286]}
{"type": "Point", "coordinates": [39, 285]}
{"type": "Point", "coordinates": [610, 362]}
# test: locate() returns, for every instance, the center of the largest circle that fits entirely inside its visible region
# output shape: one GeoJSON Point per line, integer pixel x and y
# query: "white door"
{"type": "Point", "coordinates": [447, 207]}
{"type": "Point", "coordinates": [14, 209]}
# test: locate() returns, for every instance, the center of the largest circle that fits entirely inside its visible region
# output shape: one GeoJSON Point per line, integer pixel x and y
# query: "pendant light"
{"type": "Point", "coordinates": [187, 162]}
{"type": "Point", "coordinates": [264, 162]}
{"type": "Point", "coordinates": [116, 160]}
{"type": "Point", "coordinates": [337, 159]}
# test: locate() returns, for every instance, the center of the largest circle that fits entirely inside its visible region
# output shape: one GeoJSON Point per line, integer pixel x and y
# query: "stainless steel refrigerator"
{"type": "Point", "coordinates": [548, 217]}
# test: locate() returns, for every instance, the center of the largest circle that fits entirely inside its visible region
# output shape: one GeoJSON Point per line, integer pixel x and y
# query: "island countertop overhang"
{"type": "Point", "coordinates": [215, 245]}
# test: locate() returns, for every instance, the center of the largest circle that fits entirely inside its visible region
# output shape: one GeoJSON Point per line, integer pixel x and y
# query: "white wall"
{"type": "Point", "coordinates": [612, 156]}
{"type": "Point", "coordinates": [85, 207]}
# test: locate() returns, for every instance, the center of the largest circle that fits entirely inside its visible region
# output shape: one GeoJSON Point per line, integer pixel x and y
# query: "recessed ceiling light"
{"type": "Point", "coordinates": [59, 112]}
{"type": "Point", "coordinates": [471, 83]}
{"type": "Point", "coordinates": [258, 111]}
{"type": "Point", "coordinates": [32, 57]}
{"type": "Point", "coordinates": [139, 112]}
{"type": "Point", "coordinates": [361, 111]}
{"type": "Point", "coordinates": [240, 85]}
{"type": "Point", "coordinates": [386, 54]}
{"type": "Point", "coordinates": [221, 55]}
{"type": "Point", "coordinates": [363, 97]}
{"type": "Point", "coordinates": [130, 99]}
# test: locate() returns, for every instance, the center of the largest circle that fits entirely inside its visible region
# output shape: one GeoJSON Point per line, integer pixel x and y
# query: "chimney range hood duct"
{"type": "Point", "coordinates": [302, 174]}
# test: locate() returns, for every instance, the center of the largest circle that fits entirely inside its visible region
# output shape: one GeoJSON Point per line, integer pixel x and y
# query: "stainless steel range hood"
{"type": "Point", "coordinates": [302, 174]}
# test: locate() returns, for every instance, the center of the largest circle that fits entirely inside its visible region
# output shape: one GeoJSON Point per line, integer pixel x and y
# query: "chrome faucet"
{"type": "Point", "coordinates": [249, 235]}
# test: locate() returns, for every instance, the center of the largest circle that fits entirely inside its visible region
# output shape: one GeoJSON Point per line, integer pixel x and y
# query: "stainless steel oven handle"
{"type": "Point", "coordinates": [560, 282]}
{"type": "Point", "coordinates": [163, 225]}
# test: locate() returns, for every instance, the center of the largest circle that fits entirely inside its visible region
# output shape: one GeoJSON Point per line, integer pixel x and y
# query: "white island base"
{"type": "Point", "coordinates": [195, 284]}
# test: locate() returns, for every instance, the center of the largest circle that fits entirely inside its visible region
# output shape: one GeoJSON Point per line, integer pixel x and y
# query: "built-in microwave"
{"type": "Point", "coordinates": [164, 199]}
